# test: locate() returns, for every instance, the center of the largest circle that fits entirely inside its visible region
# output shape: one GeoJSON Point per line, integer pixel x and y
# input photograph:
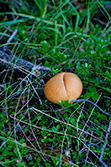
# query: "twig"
{"type": "Point", "coordinates": [86, 100]}
{"type": "Point", "coordinates": [61, 122]}
{"type": "Point", "coordinates": [104, 145]}
{"type": "Point", "coordinates": [10, 39]}
{"type": "Point", "coordinates": [21, 64]}
{"type": "Point", "coordinates": [12, 36]}
{"type": "Point", "coordinates": [108, 131]}
{"type": "Point", "coordinates": [8, 59]}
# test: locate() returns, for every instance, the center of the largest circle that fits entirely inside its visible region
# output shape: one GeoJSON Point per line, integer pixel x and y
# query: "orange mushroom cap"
{"type": "Point", "coordinates": [63, 86]}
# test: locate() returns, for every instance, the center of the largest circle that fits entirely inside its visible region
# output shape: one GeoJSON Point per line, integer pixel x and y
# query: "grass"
{"type": "Point", "coordinates": [64, 36]}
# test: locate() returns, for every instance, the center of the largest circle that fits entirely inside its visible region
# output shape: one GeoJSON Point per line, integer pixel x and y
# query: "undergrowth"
{"type": "Point", "coordinates": [65, 36]}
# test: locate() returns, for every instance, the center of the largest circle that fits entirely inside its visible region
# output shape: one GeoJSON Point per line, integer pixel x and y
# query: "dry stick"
{"type": "Point", "coordinates": [86, 100]}
{"type": "Point", "coordinates": [13, 61]}
{"type": "Point", "coordinates": [104, 145]}
{"type": "Point", "coordinates": [108, 131]}
{"type": "Point", "coordinates": [5, 47]}
{"type": "Point", "coordinates": [10, 39]}
{"type": "Point", "coordinates": [20, 64]}
{"type": "Point", "coordinates": [12, 36]}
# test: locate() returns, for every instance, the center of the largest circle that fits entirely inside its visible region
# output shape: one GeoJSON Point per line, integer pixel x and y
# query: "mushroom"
{"type": "Point", "coordinates": [63, 86]}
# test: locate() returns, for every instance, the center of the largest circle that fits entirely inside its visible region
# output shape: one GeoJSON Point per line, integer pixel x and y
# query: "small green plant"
{"type": "Point", "coordinates": [11, 152]}
{"type": "Point", "coordinates": [92, 93]}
